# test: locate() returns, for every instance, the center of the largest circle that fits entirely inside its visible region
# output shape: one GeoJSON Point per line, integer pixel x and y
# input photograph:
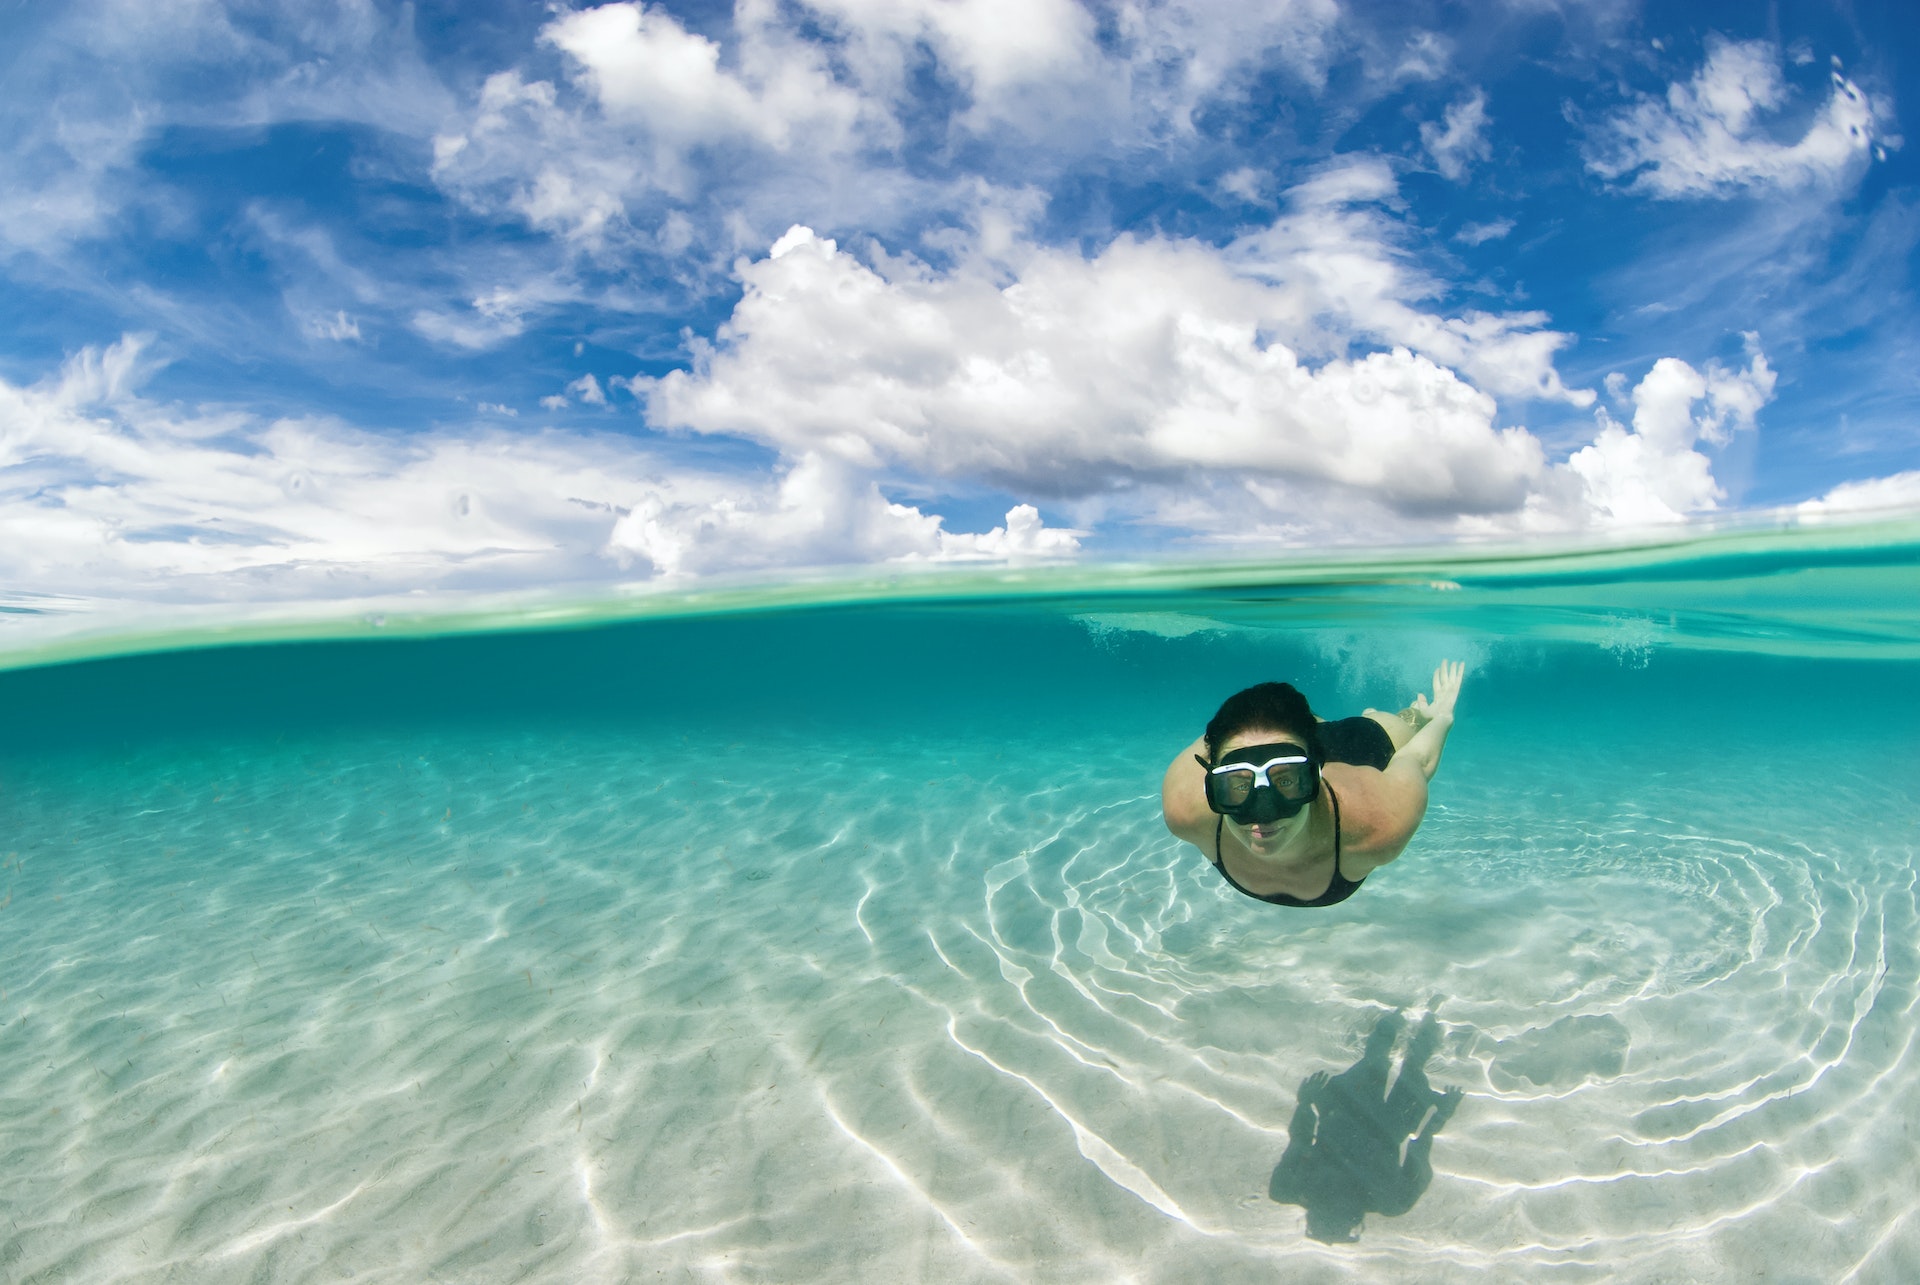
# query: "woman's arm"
{"type": "Point", "coordinates": [1183, 796]}
{"type": "Point", "coordinates": [1388, 806]}
{"type": "Point", "coordinates": [1423, 750]}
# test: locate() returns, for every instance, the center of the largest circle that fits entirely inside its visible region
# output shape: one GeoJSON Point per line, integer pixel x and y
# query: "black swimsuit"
{"type": "Point", "coordinates": [1359, 741]}
{"type": "Point", "coordinates": [1337, 891]}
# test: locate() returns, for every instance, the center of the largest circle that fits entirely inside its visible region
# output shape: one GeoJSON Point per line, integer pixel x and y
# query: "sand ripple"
{"type": "Point", "coordinates": [488, 1008]}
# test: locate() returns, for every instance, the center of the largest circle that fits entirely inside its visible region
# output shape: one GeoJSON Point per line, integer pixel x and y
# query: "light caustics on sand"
{"type": "Point", "coordinates": [727, 983]}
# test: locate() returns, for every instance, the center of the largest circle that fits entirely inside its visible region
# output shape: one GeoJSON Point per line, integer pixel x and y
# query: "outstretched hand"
{"type": "Point", "coordinates": [1446, 691]}
{"type": "Point", "coordinates": [1445, 1103]}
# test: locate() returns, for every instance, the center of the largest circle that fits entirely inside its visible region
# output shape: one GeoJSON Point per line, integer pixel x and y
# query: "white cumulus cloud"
{"type": "Point", "coordinates": [1340, 276]}
{"type": "Point", "coordinates": [998, 51]}
{"type": "Point", "coordinates": [644, 66]}
{"type": "Point", "coordinates": [1042, 370]}
{"type": "Point", "coordinates": [1900, 491]}
{"type": "Point", "coordinates": [819, 512]}
{"type": "Point", "coordinates": [648, 111]}
{"type": "Point", "coordinates": [1168, 381]}
{"type": "Point", "coordinates": [804, 110]}
{"type": "Point", "coordinates": [1652, 473]}
{"type": "Point", "coordinates": [585, 389]}
{"type": "Point", "coordinates": [1145, 362]}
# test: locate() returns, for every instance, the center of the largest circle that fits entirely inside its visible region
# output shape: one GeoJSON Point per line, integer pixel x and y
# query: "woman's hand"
{"type": "Point", "coordinates": [1446, 691]}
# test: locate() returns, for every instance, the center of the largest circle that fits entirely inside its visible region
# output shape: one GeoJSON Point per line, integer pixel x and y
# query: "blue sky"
{"type": "Point", "coordinates": [340, 301]}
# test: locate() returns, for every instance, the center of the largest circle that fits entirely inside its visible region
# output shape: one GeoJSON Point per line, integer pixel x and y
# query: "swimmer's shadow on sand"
{"type": "Point", "coordinates": [1356, 1146]}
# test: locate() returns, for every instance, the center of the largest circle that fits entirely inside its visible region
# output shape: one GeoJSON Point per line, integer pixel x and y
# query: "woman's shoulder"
{"type": "Point", "coordinates": [1378, 811]}
{"type": "Point", "coordinates": [1183, 796]}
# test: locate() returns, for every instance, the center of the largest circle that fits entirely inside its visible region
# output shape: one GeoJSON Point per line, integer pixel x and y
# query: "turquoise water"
{"type": "Point", "coordinates": [833, 934]}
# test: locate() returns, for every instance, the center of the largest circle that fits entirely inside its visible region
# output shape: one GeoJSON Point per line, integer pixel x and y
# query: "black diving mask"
{"type": "Point", "coordinates": [1260, 784]}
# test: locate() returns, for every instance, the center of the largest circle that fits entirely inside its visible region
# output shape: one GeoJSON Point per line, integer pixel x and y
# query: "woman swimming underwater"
{"type": "Point", "coordinates": [1298, 812]}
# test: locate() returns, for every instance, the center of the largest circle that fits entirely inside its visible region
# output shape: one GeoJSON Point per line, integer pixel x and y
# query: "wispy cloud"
{"type": "Point", "coordinates": [338, 327]}
{"type": "Point", "coordinates": [103, 491]}
{"type": "Point", "coordinates": [1712, 136]}
{"type": "Point", "coordinates": [1481, 233]}
{"type": "Point", "coordinates": [1462, 137]}
{"type": "Point", "coordinates": [108, 77]}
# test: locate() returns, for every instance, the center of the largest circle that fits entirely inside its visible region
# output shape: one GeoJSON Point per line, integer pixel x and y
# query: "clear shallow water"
{"type": "Point", "coordinates": [846, 943]}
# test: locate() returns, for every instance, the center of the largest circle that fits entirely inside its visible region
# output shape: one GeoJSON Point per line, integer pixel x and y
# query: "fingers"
{"type": "Point", "coordinates": [1446, 689]}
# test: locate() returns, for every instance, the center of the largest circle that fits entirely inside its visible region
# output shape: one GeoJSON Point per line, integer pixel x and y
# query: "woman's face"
{"type": "Point", "coordinates": [1267, 837]}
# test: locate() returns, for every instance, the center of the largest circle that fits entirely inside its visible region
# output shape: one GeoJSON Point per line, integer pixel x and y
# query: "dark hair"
{"type": "Point", "coordinates": [1272, 706]}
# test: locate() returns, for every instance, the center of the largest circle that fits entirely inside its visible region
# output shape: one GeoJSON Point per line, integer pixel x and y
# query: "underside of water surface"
{"type": "Point", "coordinates": [842, 939]}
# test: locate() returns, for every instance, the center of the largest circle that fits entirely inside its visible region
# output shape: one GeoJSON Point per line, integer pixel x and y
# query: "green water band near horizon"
{"type": "Point", "coordinates": [1837, 591]}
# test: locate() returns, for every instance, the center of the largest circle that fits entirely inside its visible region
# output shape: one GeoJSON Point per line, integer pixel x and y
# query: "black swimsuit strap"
{"type": "Point", "coordinates": [1336, 832]}
{"type": "Point", "coordinates": [1220, 823]}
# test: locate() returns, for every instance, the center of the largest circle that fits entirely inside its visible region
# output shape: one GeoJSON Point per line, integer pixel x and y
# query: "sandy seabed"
{"type": "Point", "coordinates": [465, 1008]}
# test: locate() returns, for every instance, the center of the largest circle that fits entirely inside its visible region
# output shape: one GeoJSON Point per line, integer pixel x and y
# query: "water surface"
{"type": "Point", "coordinates": [833, 933]}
